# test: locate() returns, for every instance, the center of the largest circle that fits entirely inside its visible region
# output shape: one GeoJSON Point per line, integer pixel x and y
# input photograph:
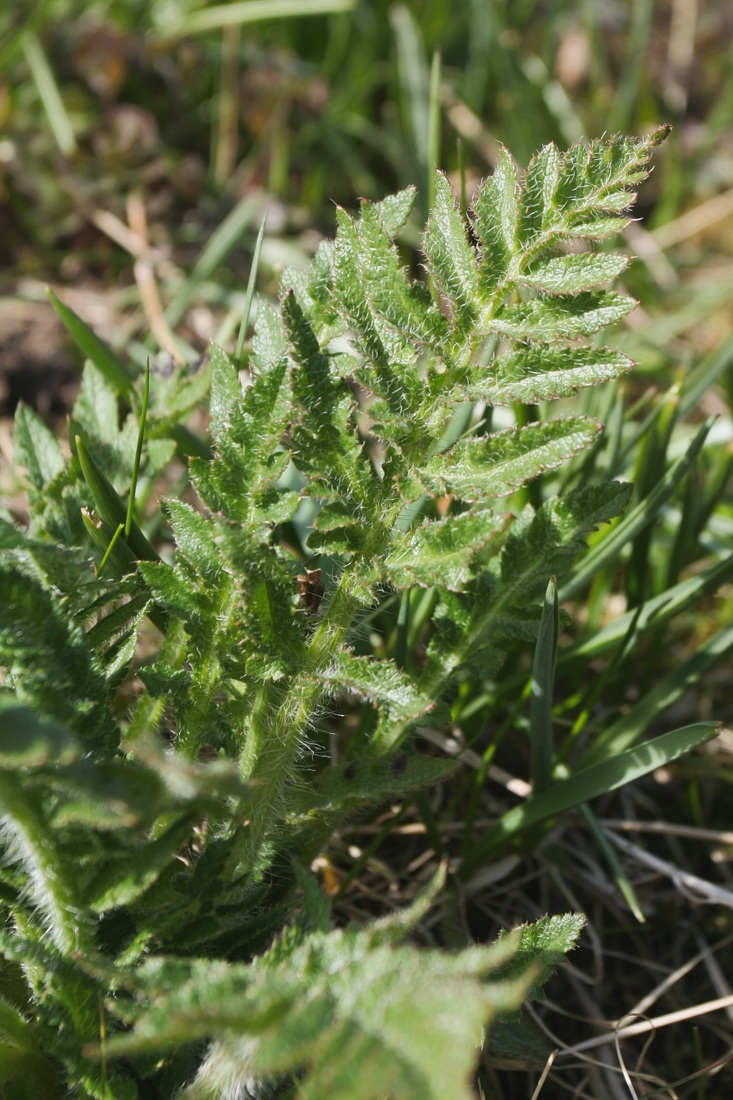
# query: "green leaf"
{"type": "Point", "coordinates": [541, 945]}
{"type": "Point", "coordinates": [109, 504]}
{"type": "Point", "coordinates": [378, 347]}
{"type": "Point", "coordinates": [363, 1021]}
{"type": "Point", "coordinates": [473, 630]}
{"type": "Point", "coordinates": [451, 259]}
{"type": "Point", "coordinates": [15, 1029]}
{"type": "Point", "coordinates": [68, 684]}
{"type": "Point", "coordinates": [589, 783]}
{"type": "Point", "coordinates": [442, 552]}
{"type": "Point", "coordinates": [29, 741]}
{"type": "Point", "coordinates": [574, 273]}
{"type": "Point", "coordinates": [365, 780]}
{"type": "Point", "coordinates": [93, 348]}
{"type": "Point", "coordinates": [495, 212]}
{"type": "Point", "coordinates": [394, 210]}
{"type": "Point", "coordinates": [541, 736]}
{"type": "Point", "coordinates": [496, 465]}
{"type": "Point", "coordinates": [405, 306]}
{"type": "Point", "coordinates": [36, 448]}
{"type": "Point", "coordinates": [541, 372]}
{"type": "Point", "coordinates": [51, 882]}
{"type": "Point", "coordinates": [95, 409]}
{"type": "Point", "coordinates": [195, 539]}
{"type": "Point", "coordinates": [380, 682]}
{"type": "Point", "coordinates": [537, 210]}
{"type": "Point", "coordinates": [562, 317]}
{"type": "Point", "coordinates": [122, 882]}
{"type": "Point", "coordinates": [247, 427]}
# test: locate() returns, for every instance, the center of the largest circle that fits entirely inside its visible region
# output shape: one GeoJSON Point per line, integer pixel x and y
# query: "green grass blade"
{"type": "Point", "coordinates": [110, 505]}
{"type": "Point", "coordinates": [49, 94]}
{"type": "Point", "coordinates": [634, 521]}
{"type": "Point", "coordinates": [92, 347]}
{"type": "Point", "coordinates": [598, 685]}
{"type": "Point", "coordinates": [224, 238]}
{"type": "Point", "coordinates": [609, 854]}
{"type": "Point", "coordinates": [414, 81]}
{"type": "Point", "coordinates": [705, 375]}
{"type": "Point", "coordinates": [250, 292]}
{"type": "Point", "coordinates": [111, 547]}
{"type": "Point", "coordinates": [138, 453]}
{"type": "Point", "coordinates": [116, 373]}
{"type": "Point", "coordinates": [149, 709]}
{"type": "Point", "coordinates": [652, 614]}
{"type": "Point", "coordinates": [540, 707]}
{"type": "Point", "coordinates": [587, 784]}
{"type": "Point", "coordinates": [252, 11]}
{"type": "Point", "coordinates": [434, 125]}
{"type": "Point", "coordinates": [630, 727]}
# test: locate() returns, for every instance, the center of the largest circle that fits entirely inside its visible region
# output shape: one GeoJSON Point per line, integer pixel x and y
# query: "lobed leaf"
{"type": "Point", "coordinates": [36, 448]}
{"type": "Point", "coordinates": [537, 210]}
{"type": "Point", "coordinates": [380, 682]}
{"type": "Point", "coordinates": [451, 262]}
{"type": "Point", "coordinates": [480, 469]}
{"type": "Point", "coordinates": [363, 780]}
{"type": "Point", "coordinates": [575, 273]}
{"type": "Point", "coordinates": [495, 213]}
{"type": "Point", "coordinates": [442, 552]}
{"type": "Point", "coordinates": [542, 372]}
{"type": "Point", "coordinates": [339, 1008]}
{"type": "Point", "coordinates": [394, 210]}
{"type": "Point", "coordinates": [562, 317]}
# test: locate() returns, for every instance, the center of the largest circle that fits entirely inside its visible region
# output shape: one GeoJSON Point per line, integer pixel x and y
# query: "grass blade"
{"type": "Point", "coordinates": [414, 82]}
{"type": "Point", "coordinates": [434, 125]}
{"type": "Point", "coordinates": [587, 784]}
{"type": "Point", "coordinates": [705, 375]}
{"type": "Point", "coordinates": [652, 614]}
{"type": "Point", "coordinates": [634, 521]}
{"type": "Point", "coordinates": [49, 94]}
{"type": "Point", "coordinates": [110, 505]}
{"type": "Point", "coordinates": [609, 854]}
{"type": "Point", "coordinates": [92, 347]}
{"type": "Point", "coordinates": [630, 727]}
{"type": "Point", "coordinates": [250, 292]}
{"type": "Point", "coordinates": [540, 707]}
{"type": "Point", "coordinates": [220, 244]}
{"type": "Point", "coordinates": [138, 453]}
{"type": "Point", "coordinates": [252, 11]}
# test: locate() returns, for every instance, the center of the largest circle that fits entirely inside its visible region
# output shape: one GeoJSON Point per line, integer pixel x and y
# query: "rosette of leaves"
{"type": "Point", "coordinates": [136, 934]}
{"type": "Point", "coordinates": [355, 381]}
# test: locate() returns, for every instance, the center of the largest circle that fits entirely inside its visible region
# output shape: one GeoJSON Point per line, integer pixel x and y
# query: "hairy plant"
{"type": "Point", "coordinates": [143, 887]}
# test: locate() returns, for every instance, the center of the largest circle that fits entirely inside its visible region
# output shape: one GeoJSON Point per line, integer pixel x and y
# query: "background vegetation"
{"type": "Point", "coordinates": [143, 143]}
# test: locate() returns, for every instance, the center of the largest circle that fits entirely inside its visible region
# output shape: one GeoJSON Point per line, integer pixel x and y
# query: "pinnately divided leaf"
{"type": "Point", "coordinates": [441, 552]}
{"type": "Point", "coordinates": [543, 372]}
{"type": "Point", "coordinates": [340, 1000]}
{"type": "Point", "coordinates": [494, 466]}
{"type": "Point", "coordinates": [342, 571]}
{"type": "Point", "coordinates": [382, 683]}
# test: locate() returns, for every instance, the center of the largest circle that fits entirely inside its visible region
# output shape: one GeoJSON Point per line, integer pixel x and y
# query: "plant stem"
{"type": "Point", "coordinates": [279, 720]}
{"type": "Point", "coordinates": [52, 887]}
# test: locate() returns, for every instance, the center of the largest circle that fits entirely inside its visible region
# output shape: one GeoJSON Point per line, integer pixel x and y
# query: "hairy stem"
{"type": "Point", "coordinates": [52, 883]}
{"type": "Point", "coordinates": [278, 722]}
